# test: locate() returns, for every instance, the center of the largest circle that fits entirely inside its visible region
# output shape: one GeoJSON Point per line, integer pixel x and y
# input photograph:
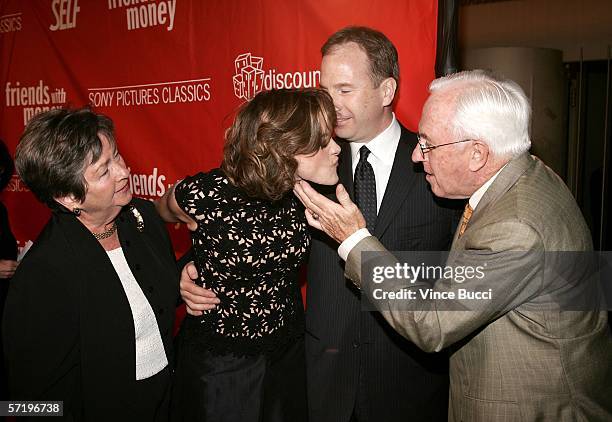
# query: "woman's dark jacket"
{"type": "Point", "coordinates": [68, 327]}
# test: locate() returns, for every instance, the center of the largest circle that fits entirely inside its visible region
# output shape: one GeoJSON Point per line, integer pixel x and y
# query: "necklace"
{"type": "Point", "coordinates": [107, 233]}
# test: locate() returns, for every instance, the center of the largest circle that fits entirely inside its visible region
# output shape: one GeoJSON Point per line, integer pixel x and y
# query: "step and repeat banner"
{"type": "Point", "coordinates": [171, 73]}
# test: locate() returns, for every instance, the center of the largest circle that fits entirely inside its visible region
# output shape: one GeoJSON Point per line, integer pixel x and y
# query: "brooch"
{"type": "Point", "coordinates": [138, 217]}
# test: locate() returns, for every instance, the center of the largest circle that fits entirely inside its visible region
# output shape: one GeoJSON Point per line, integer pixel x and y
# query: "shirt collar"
{"type": "Point", "coordinates": [383, 146]}
{"type": "Point", "coordinates": [477, 196]}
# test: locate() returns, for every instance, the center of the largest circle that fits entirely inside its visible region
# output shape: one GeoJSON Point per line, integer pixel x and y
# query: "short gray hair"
{"type": "Point", "coordinates": [55, 149]}
{"type": "Point", "coordinates": [489, 109]}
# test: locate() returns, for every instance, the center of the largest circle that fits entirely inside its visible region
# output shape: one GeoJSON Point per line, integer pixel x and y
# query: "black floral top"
{"type": "Point", "coordinates": [248, 251]}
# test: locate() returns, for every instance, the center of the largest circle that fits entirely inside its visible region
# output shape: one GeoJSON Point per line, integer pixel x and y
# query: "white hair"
{"type": "Point", "coordinates": [488, 109]}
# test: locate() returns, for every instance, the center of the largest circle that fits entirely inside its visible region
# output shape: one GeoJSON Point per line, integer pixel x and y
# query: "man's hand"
{"type": "Point", "coordinates": [197, 299]}
{"type": "Point", "coordinates": [7, 268]}
{"type": "Point", "coordinates": [338, 221]}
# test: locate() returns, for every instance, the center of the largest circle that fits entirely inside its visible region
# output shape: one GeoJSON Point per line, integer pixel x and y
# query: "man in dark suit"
{"type": "Point", "coordinates": [358, 368]}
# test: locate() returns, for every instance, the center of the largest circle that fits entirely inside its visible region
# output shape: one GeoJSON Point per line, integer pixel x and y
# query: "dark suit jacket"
{"type": "Point", "coordinates": [343, 343]}
{"type": "Point", "coordinates": [68, 327]}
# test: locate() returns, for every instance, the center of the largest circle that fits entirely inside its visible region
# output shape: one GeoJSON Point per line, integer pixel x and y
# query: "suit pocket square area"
{"type": "Point", "coordinates": [479, 410]}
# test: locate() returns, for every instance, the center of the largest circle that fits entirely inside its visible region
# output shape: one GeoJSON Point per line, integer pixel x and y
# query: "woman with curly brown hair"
{"type": "Point", "coordinates": [244, 360]}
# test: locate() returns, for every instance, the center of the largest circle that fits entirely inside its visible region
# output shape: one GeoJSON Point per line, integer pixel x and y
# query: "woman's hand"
{"type": "Point", "coordinates": [170, 211]}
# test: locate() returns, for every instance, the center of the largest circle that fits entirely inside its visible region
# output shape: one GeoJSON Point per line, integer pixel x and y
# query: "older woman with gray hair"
{"type": "Point", "coordinates": [90, 310]}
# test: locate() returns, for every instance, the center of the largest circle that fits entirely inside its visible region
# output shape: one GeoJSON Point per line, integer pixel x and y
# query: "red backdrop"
{"type": "Point", "coordinates": [170, 73]}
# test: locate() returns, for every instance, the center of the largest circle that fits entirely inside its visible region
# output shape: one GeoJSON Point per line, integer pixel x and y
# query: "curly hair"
{"type": "Point", "coordinates": [267, 134]}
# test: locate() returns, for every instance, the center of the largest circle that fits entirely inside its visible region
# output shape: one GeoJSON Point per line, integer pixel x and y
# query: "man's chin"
{"type": "Point", "coordinates": [432, 182]}
{"type": "Point", "coordinates": [343, 132]}
{"type": "Point", "coordinates": [435, 189]}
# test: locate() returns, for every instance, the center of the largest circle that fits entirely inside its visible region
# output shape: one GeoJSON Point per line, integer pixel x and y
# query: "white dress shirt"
{"type": "Point", "coordinates": [382, 154]}
{"type": "Point", "coordinates": [350, 242]}
{"type": "Point", "coordinates": [477, 196]}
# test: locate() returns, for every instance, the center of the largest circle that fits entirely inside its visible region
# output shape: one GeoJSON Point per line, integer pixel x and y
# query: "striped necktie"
{"type": "Point", "coordinates": [467, 214]}
{"type": "Point", "coordinates": [365, 188]}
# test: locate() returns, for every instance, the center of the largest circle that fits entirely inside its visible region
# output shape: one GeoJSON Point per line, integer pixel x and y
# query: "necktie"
{"type": "Point", "coordinates": [365, 188]}
{"type": "Point", "coordinates": [467, 214]}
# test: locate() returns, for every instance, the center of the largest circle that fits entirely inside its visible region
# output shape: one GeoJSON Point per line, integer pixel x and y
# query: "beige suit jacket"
{"type": "Point", "coordinates": [520, 356]}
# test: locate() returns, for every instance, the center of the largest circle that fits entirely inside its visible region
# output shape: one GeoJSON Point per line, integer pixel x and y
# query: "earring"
{"type": "Point", "coordinates": [76, 211]}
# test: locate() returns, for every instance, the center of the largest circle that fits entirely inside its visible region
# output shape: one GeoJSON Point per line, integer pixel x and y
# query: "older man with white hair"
{"type": "Point", "coordinates": [531, 342]}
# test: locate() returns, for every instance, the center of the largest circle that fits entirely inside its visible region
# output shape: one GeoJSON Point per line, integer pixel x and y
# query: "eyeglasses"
{"type": "Point", "coordinates": [426, 148]}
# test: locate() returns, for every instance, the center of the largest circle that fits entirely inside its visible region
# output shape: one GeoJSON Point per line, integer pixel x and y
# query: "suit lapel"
{"type": "Point", "coordinates": [504, 181]}
{"type": "Point", "coordinates": [104, 313]}
{"type": "Point", "coordinates": [401, 182]}
{"type": "Point", "coordinates": [136, 247]}
{"type": "Point", "coordinates": [345, 168]}
{"type": "Point", "coordinates": [100, 285]}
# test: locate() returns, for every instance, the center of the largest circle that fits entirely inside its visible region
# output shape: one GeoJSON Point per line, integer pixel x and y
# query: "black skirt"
{"type": "Point", "coordinates": [230, 388]}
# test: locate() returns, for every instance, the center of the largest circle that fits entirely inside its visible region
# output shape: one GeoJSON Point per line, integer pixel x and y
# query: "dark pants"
{"type": "Point", "coordinates": [152, 401]}
{"type": "Point", "coordinates": [4, 394]}
{"type": "Point", "coordinates": [228, 388]}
